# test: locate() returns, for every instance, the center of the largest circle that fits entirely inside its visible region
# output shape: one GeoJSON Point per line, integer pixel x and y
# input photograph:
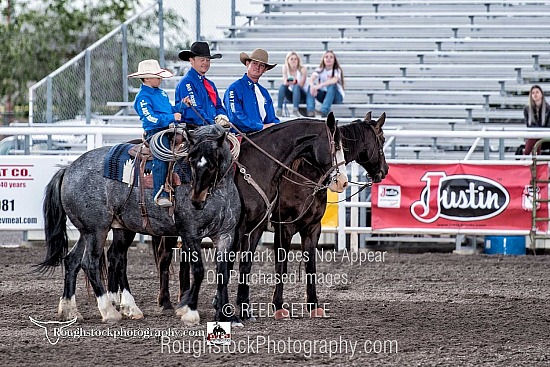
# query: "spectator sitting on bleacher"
{"type": "Point", "coordinates": [294, 79]}
{"type": "Point", "coordinates": [326, 84]}
{"type": "Point", "coordinates": [249, 105]}
{"type": "Point", "coordinates": [536, 114]}
{"type": "Point", "coordinates": [208, 108]}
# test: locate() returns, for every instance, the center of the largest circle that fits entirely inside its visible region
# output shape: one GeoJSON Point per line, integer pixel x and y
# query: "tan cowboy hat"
{"type": "Point", "coordinates": [150, 69]}
{"type": "Point", "coordinates": [200, 49]}
{"type": "Point", "coordinates": [259, 55]}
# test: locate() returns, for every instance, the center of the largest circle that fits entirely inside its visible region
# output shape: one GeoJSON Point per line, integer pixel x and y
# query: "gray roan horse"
{"type": "Point", "coordinates": [96, 204]}
{"type": "Point", "coordinates": [312, 140]}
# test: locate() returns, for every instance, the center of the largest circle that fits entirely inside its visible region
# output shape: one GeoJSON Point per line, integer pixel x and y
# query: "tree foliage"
{"type": "Point", "coordinates": [40, 37]}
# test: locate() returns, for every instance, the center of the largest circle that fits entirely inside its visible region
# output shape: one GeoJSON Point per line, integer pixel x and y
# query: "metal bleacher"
{"type": "Point", "coordinates": [456, 65]}
{"type": "Point", "coordinates": [434, 64]}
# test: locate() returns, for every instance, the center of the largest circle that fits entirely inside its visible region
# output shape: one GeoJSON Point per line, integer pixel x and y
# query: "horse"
{"type": "Point", "coordinates": [297, 211]}
{"type": "Point", "coordinates": [299, 208]}
{"type": "Point", "coordinates": [96, 204]}
{"type": "Point", "coordinates": [264, 157]}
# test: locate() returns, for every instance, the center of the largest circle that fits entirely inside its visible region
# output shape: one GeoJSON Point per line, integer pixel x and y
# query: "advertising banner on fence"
{"type": "Point", "coordinates": [458, 196]}
{"type": "Point", "coordinates": [22, 183]}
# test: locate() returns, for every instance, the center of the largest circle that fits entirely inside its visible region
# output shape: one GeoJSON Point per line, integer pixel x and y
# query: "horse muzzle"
{"type": "Point", "coordinates": [339, 183]}
{"type": "Point", "coordinates": [199, 200]}
{"type": "Point", "coordinates": [379, 177]}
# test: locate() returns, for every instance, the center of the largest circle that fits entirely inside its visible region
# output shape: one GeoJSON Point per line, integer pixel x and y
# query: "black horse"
{"type": "Point", "coordinates": [262, 162]}
{"type": "Point", "coordinates": [96, 204]}
{"type": "Point", "coordinates": [297, 211]}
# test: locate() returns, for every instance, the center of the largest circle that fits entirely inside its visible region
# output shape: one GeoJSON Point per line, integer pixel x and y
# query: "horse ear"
{"type": "Point", "coordinates": [331, 121]}
{"type": "Point", "coordinates": [221, 139]}
{"type": "Point", "coordinates": [188, 134]}
{"type": "Point", "coordinates": [368, 116]}
{"type": "Point", "coordinates": [381, 120]}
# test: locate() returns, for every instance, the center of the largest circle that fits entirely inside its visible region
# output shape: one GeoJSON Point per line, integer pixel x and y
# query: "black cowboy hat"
{"type": "Point", "coordinates": [200, 49]}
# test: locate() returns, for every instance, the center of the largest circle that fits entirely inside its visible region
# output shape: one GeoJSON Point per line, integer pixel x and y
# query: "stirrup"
{"type": "Point", "coordinates": [162, 201]}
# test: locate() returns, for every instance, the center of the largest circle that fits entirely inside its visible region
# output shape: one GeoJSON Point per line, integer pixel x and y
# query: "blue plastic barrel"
{"type": "Point", "coordinates": [504, 245]}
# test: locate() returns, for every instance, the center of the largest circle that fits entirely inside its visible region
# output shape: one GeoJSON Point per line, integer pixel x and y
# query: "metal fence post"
{"type": "Point", "coordinates": [88, 85]}
{"type": "Point", "coordinates": [198, 19]}
{"type": "Point", "coordinates": [342, 223]}
{"type": "Point", "coordinates": [161, 35]}
{"type": "Point", "coordinates": [233, 12]}
{"type": "Point", "coordinates": [49, 107]}
{"type": "Point", "coordinates": [124, 31]}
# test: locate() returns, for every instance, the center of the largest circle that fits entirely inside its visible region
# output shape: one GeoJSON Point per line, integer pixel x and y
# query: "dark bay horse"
{"type": "Point", "coordinates": [297, 211]}
{"type": "Point", "coordinates": [96, 204]}
{"type": "Point", "coordinates": [257, 181]}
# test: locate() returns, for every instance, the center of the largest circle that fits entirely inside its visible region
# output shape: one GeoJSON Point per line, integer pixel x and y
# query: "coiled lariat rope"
{"type": "Point", "coordinates": [163, 153]}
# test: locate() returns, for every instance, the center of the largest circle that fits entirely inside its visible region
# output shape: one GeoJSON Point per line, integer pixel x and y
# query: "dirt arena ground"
{"type": "Point", "coordinates": [408, 310]}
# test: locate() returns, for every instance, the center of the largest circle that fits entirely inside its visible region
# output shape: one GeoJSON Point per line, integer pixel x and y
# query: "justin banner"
{"type": "Point", "coordinates": [459, 196]}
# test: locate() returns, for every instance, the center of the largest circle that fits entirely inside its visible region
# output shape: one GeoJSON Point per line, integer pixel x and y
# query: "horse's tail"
{"type": "Point", "coordinates": [55, 224]}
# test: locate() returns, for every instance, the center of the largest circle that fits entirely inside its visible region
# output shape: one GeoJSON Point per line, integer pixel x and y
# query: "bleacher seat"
{"type": "Point", "coordinates": [445, 64]}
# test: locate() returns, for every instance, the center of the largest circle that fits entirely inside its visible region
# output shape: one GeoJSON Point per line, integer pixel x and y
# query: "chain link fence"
{"type": "Point", "coordinates": [82, 88]}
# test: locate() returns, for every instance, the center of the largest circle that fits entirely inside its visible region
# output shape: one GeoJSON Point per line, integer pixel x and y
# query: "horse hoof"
{"type": "Point", "coordinates": [133, 313]}
{"type": "Point", "coordinates": [317, 312]}
{"type": "Point", "coordinates": [282, 314]}
{"type": "Point", "coordinates": [167, 311]}
{"type": "Point", "coordinates": [237, 324]}
{"type": "Point", "coordinates": [67, 309]}
{"type": "Point", "coordinates": [182, 311]}
{"type": "Point", "coordinates": [112, 318]}
{"type": "Point", "coordinates": [136, 315]}
{"type": "Point", "coordinates": [191, 317]}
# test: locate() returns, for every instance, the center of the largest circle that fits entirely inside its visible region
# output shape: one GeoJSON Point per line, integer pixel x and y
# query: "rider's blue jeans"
{"type": "Point", "coordinates": [297, 96]}
{"type": "Point", "coordinates": [327, 98]}
{"type": "Point", "coordinates": [160, 167]}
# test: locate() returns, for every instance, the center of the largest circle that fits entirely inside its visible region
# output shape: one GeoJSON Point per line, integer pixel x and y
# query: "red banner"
{"type": "Point", "coordinates": [458, 196]}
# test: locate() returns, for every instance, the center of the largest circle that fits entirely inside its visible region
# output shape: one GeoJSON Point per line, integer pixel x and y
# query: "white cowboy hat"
{"type": "Point", "coordinates": [150, 69]}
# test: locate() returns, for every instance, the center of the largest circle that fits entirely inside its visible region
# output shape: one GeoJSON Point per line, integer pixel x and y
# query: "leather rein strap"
{"type": "Point", "coordinates": [317, 185]}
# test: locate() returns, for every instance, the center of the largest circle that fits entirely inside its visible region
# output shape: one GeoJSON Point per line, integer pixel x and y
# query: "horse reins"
{"type": "Point", "coordinates": [369, 182]}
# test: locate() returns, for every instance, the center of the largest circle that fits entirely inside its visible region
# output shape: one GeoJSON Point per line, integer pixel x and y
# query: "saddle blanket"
{"type": "Point", "coordinates": [119, 166]}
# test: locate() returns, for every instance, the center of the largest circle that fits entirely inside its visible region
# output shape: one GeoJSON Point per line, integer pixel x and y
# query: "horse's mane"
{"type": "Point", "coordinates": [353, 132]}
{"type": "Point", "coordinates": [283, 126]}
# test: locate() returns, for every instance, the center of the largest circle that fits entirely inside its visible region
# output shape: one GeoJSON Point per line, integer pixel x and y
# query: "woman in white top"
{"type": "Point", "coordinates": [294, 78]}
{"type": "Point", "coordinates": [326, 84]}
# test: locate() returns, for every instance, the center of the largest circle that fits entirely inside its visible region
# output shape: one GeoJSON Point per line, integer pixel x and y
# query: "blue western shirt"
{"type": "Point", "coordinates": [242, 106]}
{"type": "Point", "coordinates": [154, 108]}
{"type": "Point", "coordinates": [192, 85]}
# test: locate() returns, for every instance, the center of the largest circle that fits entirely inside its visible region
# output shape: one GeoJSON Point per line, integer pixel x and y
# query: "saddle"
{"type": "Point", "coordinates": [142, 154]}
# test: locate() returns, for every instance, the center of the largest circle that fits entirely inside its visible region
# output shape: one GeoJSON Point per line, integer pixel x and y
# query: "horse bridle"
{"type": "Point", "coordinates": [317, 186]}
{"type": "Point", "coordinates": [369, 183]}
{"type": "Point", "coordinates": [218, 178]}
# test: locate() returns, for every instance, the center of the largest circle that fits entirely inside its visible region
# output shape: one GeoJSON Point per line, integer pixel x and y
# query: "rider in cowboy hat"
{"type": "Point", "coordinates": [208, 107]}
{"type": "Point", "coordinates": [248, 104]}
{"type": "Point", "coordinates": [156, 113]}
